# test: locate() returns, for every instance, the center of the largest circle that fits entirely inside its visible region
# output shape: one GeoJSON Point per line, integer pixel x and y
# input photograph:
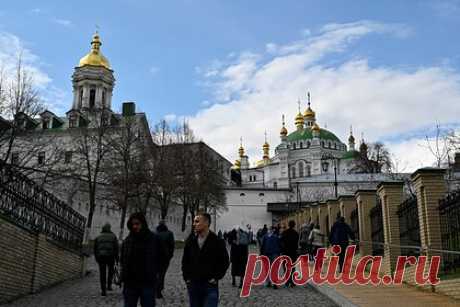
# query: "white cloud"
{"type": "Point", "coordinates": [11, 47]}
{"type": "Point", "coordinates": [154, 70]}
{"type": "Point", "coordinates": [63, 22]}
{"type": "Point", "coordinates": [170, 118]}
{"type": "Point", "coordinates": [254, 90]}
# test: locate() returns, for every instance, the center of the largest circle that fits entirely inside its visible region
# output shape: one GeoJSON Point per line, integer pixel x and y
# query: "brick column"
{"type": "Point", "coordinates": [347, 204]}
{"type": "Point", "coordinates": [333, 209]}
{"type": "Point", "coordinates": [366, 200]}
{"type": "Point", "coordinates": [430, 187]}
{"type": "Point", "coordinates": [391, 194]}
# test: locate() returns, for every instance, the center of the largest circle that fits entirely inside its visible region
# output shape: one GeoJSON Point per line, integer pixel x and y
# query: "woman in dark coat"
{"type": "Point", "coordinates": [239, 241]}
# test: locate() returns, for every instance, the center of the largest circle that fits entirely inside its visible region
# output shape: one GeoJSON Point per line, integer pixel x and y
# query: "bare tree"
{"type": "Point", "coordinates": [124, 167]}
{"type": "Point", "coordinates": [23, 147]}
{"type": "Point", "coordinates": [373, 158]}
{"type": "Point", "coordinates": [90, 149]}
{"type": "Point", "coordinates": [438, 146]}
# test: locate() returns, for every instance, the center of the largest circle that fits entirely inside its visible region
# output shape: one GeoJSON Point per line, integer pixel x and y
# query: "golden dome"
{"type": "Point", "coordinates": [309, 113]}
{"type": "Point", "coordinates": [299, 120]}
{"type": "Point", "coordinates": [316, 128]}
{"type": "Point", "coordinates": [266, 145]}
{"type": "Point", "coordinates": [241, 151]}
{"type": "Point", "coordinates": [95, 57]}
{"type": "Point", "coordinates": [237, 164]}
{"type": "Point", "coordinates": [283, 131]}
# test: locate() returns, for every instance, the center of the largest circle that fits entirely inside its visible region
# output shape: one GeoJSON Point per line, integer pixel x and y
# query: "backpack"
{"type": "Point", "coordinates": [244, 238]}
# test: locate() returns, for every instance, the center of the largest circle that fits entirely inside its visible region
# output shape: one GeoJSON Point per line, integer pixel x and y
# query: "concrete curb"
{"type": "Point", "coordinates": [333, 295]}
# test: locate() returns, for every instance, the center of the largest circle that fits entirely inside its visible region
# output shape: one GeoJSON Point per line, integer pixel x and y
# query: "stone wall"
{"type": "Point", "coordinates": [30, 262]}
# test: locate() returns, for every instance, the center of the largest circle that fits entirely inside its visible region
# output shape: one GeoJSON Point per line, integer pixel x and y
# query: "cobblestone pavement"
{"type": "Point", "coordinates": [85, 293]}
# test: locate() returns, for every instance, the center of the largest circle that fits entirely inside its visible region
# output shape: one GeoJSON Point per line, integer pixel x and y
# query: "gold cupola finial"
{"type": "Point", "coordinates": [299, 121]}
{"type": "Point", "coordinates": [95, 57]}
{"type": "Point", "coordinates": [283, 131]}
{"type": "Point", "coordinates": [266, 148]}
{"type": "Point", "coordinates": [241, 149]}
{"type": "Point", "coordinates": [309, 113]}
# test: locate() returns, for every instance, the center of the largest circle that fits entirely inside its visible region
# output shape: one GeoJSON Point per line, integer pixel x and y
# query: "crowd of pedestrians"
{"type": "Point", "coordinates": [145, 256]}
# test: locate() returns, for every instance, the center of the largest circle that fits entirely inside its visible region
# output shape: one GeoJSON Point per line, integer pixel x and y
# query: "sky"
{"type": "Point", "coordinates": [389, 69]}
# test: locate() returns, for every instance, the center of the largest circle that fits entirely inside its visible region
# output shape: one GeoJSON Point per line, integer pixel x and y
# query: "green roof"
{"type": "Point", "coordinates": [351, 154]}
{"type": "Point", "coordinates": [306, 134]}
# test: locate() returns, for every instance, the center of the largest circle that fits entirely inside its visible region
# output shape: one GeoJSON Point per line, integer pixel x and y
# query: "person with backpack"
{"type": "Point", "coordinates": [167, 243]}
{"type": "Point", "coordinates": [317, 240]}
{"type": "Point", "coordinates": [239, 241]}
{"type": "Point", "coordinates": [289, 245]}
{"type": "Point", "coordinates": [340, 234]}
{"type": "Point", "coordinates": [304, 243]}
{"type": "Point", "coordinates": [106, 254]}
{"type": "Point", "coordinates": [271, 247]}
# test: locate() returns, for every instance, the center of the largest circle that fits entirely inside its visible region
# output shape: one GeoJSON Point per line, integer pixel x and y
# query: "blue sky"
{"type": "Point", "coordinates": [213, 62]}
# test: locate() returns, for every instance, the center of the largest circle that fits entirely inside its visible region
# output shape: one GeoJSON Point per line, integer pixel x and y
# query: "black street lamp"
{"type": "Point", "coordinates": [325, 165]}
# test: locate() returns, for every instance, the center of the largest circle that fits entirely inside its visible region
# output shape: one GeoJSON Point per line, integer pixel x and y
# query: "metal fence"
{"type": "Point", "coordinates": [449, 212]}
{"type": "Point", "coordinates": [26, 204]}
{"type": "Point", "coordinates": [377, 229]}
{"type": "Point", "coordinates": [409, 226]}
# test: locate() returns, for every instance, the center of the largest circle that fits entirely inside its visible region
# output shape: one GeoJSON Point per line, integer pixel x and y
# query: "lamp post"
{"type": "Point", "coordinates": [324, 158]}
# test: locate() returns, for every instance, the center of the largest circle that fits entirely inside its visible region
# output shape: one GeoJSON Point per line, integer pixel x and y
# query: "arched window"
{"type": "Point", "coordinates": [80, 98]}
{"type": "Point", "coordinates": [275, 185]}
{"type": "Point", "coordinates": [293, 146]}
{"type": "Point", "coordinates": [293, 172]}
{"type": "Point", "coordinates": [308, 170]}
{"type": "Point", "coordinates": [322, 144]}
{"type": "Point", "coordinates": [300, 166]}
{"type": "Point", "coordinates": [92, 98]}
{"type": "Point", "coordinates": [308, 144]}
{"type": "Point", "coordinates": [301, 144]}
{"type": "Point", "coordinates": [103, 98]}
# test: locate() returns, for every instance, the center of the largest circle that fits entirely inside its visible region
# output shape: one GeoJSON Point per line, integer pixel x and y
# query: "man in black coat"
{"type": "Point", "coordinates": [140, 256]}
{"type": "Point", "coordinates": [106, 254]}
{"type": "Point", "coordinates": [167, 252]}
{"type": "Point", "coordinates": [204, 262]}
{"type": "Point", "coordinates": [289, 246]}
{"type": "Point", "coordinates": [340, 234]}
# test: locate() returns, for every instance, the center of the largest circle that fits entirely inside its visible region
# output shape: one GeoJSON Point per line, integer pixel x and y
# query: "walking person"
{"type": "Point", "coordinates": [140, 256]}
{"type": "Point", "coordinates": [260, 235]}
{"type": "Point", "coordinates": [304, 242]}
{"type": "Point", "coordinates": [106, 254]}
{"type": "Point", "coordinates": [239, 253]}
{"type": "Point", "coordinates": [289, 245]}
{"type": "Point", "coordinates": [317, 240]}
{"type": "Point", "coordinates": [271, 247]}
{"type": "Point", "coordinates": [167, 243]}
{"type": "Point", "coordinates": [340, 234]}
{"type": "Point", "coordinates": [204, 262]}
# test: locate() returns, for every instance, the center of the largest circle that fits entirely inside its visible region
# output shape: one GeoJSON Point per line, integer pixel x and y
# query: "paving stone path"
{"type": "Point", "coordinates": [85, 293]}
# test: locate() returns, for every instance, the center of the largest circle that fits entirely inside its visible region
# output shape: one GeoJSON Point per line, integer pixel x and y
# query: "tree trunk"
{"type": "Point", "coordinates": [124, 209]}
{"type": "Point", "coordinates": [184, 216]}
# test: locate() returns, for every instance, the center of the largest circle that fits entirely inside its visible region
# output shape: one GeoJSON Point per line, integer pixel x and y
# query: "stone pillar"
{"type": "Point", "coordinates": [430, 187]}
{"type": "Point", "coordinates": [391, 194]}
{"type": "Point", "coordinates": [322, 213]}
{"type": "Point", "coordinates": [314, 213]}
{"type": "Point", "coordinates": [347, 203]}
{"type": "Point", "coordinates": [333, 209]}
{"type": "Point", "coordinates": [307, 215]}
{"type": "Point", "coordinates": [366, 200]}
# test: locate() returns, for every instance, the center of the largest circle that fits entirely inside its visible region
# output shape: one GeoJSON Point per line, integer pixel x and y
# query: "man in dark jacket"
{"type": "Point", "coordinates": [204, 262]}
{"type": "Point", "coordinates": [106, 254]}
{"type": "Point", "coordinates": [289, 246]}
{"type": "Point", "coordinates": [340, 233]}
{"type": "Point", "coordinates": [167, 252]}
{"type": "Point", "coordinates": [140, 256]}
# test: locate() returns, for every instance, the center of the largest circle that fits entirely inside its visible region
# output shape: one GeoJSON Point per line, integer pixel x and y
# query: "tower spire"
{"type": "Point", "coordinates": [283, 131]}
{"type": "Point", "coordinates": [351, 140]}
{"type": "Point", "coordinates": [299, 120]}
{"type": "Point", "coordinates": [266, 148]}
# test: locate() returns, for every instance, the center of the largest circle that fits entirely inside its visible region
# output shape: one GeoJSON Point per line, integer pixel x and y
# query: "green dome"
{"type": "Point", "coordinates": [351, 154]}
{"type": "Point", "coordinates": [306, 134]}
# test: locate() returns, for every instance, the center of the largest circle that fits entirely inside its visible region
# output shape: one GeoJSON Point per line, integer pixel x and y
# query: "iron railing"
{"type": "Point", "coordinates": [449, 213]}
{"type": "Point", "coordinates": [409, 226]}
{"type": "Point", "coordinates": [28, 205]}
{"type": "Point", "coordinates": [377, 229]}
